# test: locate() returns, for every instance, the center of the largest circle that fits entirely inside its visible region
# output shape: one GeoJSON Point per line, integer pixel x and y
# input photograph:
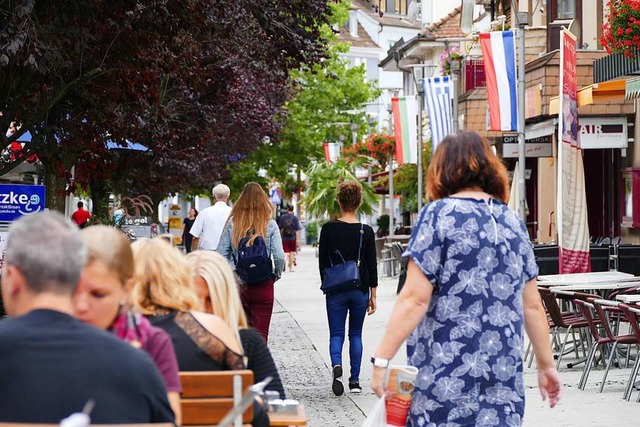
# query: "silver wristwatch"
{"type": "Point", "coordinates": [379, 362]}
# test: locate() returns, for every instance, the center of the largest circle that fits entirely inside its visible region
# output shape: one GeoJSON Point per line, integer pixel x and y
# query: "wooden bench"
{"type": "Point", "coordinates": [208, 396]}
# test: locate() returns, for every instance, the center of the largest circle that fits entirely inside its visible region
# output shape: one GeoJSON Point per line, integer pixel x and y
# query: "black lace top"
{"type": "Point", "coordinates": [197, 349]}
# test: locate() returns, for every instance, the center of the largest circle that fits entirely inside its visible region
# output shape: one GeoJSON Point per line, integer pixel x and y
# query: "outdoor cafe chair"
{"type": "Point", "coordinates": [633, 317]}
{"type": "Point", "coordinates": [611, 315]}
{"type": "Point", "coordinates": [569, 320]}
{"type": "Point", "coordinates": [598, 320]}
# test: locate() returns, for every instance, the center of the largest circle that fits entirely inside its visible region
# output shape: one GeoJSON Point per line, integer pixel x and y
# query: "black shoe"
{"type": "Point", "coordinates": [337, 387]}
{"type": "Point", "coordinates": [355, 387]}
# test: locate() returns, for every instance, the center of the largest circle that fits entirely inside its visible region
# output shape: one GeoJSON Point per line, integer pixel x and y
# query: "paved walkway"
{"type": "Point", "coordinates": [299, 341]}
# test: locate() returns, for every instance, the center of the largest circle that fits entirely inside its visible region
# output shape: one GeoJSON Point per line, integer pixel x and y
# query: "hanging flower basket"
{"type": "Point", "coordinates": [621, 32]}
{"type": "Point", "coordinates": [380, 146]}
{"type": "Point", "coordinates": [445, 59]}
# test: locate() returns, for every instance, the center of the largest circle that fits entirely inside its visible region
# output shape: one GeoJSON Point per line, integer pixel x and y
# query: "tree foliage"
{"type": "Point", "coordinates": [321, 194]}
{"type": "Point", "coordinates": [198, 82]}
{"type": "Point", "coordinates": [328, 97]}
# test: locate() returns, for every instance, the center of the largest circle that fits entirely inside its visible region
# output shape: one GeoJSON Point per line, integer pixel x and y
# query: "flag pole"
{"type": "Point", "coordinates": [523, 17]}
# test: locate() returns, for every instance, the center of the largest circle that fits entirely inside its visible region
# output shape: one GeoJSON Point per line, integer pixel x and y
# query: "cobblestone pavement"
{"type": "Point", "coordinates": [299, 340]}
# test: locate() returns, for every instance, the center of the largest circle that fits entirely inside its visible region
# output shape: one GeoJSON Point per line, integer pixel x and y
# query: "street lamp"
{"type": "Point", "coordinates": [455, 65]}
{"type": "Point", "coordinates": [418, 72]}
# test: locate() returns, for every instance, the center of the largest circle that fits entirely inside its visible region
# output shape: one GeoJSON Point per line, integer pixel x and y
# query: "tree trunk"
{"type": "Point", "coordinates": [56, 187]}
{"type": "Point", "coordinates": [156, 198]}
{"type": "Point", "coordinates": [100, 190]}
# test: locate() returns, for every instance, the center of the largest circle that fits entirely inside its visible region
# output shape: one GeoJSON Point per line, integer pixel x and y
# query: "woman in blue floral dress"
{"type": "Point", "coordinates": [470, 290]}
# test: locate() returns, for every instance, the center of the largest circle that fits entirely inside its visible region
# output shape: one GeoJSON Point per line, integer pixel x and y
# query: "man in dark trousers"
{"type": "Point", "coordinates": [51, 364]}
{"type": "Point", "coordinates": [289, 228]}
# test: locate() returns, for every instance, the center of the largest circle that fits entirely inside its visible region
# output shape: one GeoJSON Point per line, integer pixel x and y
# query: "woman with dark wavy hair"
{"type": "Point", "coordinates": [470, 293]}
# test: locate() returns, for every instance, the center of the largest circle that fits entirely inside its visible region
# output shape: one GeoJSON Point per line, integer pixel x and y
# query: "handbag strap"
{"type": "Point", "coordinates": [360, 245]}
{"type": "Point", "coordinates": [339, 254]}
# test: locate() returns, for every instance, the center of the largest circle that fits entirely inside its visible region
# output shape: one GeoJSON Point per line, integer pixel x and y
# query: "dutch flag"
{"type": "Point", "coordinates": [499, 52]}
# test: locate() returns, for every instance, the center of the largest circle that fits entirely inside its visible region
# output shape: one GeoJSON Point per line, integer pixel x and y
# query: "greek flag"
{"type": "Point", "coordinates": [437, 97]}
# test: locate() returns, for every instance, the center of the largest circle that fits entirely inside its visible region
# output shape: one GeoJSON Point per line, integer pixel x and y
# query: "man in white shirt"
{"type": "Point", "coordinates": [207, 228]}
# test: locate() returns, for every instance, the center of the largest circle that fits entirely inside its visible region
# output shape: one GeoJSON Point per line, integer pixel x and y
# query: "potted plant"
{"type": "Point", "coordinates": [383, 225]}
{"type": "Point", "coordinates": [621, 32]}
{"type": "Point", "coordinates": [312, 232]}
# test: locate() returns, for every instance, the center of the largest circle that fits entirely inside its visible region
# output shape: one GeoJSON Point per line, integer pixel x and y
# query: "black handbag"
{"type": "Point", "coordinates": [344, 276]}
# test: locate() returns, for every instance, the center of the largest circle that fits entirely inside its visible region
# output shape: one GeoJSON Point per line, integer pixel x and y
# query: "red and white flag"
{"type": "Point", "coordinates": [331, 151]}
{"type": "Point", "coordinates": [573, 225]}
{"type": "Point", "coordinates": [499, 54]}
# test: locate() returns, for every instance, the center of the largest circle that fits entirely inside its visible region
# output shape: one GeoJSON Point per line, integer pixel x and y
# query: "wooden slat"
{"type": "Point", "coordinates": [209, 411]}
{"type": "Point", "coordinates": [208, 396]}
{"type": "Point", "coordinates": [213, 384]}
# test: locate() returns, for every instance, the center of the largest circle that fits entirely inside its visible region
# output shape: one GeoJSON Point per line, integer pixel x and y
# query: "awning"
{"type": "Point", "coordinates": [632, 89]}
{"type": "Point", "coordinates": [594, 94]}
{"type": "Point", "coordinates": [541, 129]}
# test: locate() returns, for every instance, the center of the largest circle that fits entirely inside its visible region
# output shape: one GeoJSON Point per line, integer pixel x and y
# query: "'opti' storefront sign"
{"type": "Point", "coordinates": [19, 200]}
{"type": "Point", "coordinates": [535, 147]}
{"type": "Point", "coordinates": [603, 132]}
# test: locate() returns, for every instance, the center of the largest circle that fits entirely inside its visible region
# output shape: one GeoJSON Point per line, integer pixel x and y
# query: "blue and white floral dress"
{"type": "Point", "coordinates": [469, 346]}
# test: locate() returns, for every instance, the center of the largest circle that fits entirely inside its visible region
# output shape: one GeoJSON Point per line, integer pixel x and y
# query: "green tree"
{"type": "Point", "coordinates": [326, 95]}
{"type": "Point", "coordinates": [321, 194]}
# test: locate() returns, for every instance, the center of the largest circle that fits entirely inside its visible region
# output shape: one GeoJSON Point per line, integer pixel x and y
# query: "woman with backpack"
{"type": "Point", "coordinates": [251, 242]}
{"type": "Point", "coordinates": [348, 239]}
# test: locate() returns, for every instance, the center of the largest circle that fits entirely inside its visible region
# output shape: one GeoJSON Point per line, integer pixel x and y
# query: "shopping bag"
{"type": "Point", "coordinates": [378, 415]}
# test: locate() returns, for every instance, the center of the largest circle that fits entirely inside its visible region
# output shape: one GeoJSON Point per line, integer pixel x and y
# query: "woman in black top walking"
{"type": "Point", "coordinates": [343, 234]}
{"type": "Point", "coordinates": [186, 228]}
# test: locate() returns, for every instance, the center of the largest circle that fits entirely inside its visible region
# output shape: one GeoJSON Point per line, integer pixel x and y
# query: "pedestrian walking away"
{"type": "Point", "coordinates": [81, 217]}
{"type": "Point", "coordinates": [250, 224]}
{"type": "Point", "coordinates": [290, 232]}
{"type": "Point", "coordinates": [209, 223]}
{"type": "Point", "coordinates": [187, 238]}
{"type": "Point", "coordinates": [470, 291]}
{"type": "Point", "coordinates": [354, 241]}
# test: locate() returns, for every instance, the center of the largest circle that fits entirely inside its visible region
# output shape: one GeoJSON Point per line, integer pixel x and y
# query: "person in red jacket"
{"type": "Point", "coordinates": [81, 217]}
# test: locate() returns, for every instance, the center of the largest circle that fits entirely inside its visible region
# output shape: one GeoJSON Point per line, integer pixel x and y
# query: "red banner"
{"type": "Point", "coordinates": [573, 226]}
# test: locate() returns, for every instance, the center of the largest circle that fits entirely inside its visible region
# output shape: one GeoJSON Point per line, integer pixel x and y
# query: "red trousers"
{"type": "Point", "coordinates": [257, 301]}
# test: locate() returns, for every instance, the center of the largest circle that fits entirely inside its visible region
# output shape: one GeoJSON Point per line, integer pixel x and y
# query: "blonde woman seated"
{"type": "Point", "coordinates": [217, 289]}
{"type": "Point", "coordinates": [163, 291]}
{"type": "Point", "coordinates": [101, 300]}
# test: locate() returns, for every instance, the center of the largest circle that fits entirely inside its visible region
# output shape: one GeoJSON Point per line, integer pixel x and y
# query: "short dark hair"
{"type": "Point", "coordinates": [463, 160]}
{"type": "Point", "coordinates": [80, 204]}
{"type": "Point", "coordinates": [290, 208]}
{"type": "Point", "coordinates": [350, 196]}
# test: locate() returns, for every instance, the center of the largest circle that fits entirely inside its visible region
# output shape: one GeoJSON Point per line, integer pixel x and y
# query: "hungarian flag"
{"type": "Point", "coordinates": [499, 54]}
{"type": "Point", "coordinates": [405, 117]}
{"type": "Point", "coordinates": [331, 151]}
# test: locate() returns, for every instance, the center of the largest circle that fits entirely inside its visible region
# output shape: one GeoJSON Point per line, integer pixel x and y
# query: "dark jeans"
{"type": "Point", "coordinates": [355, 303]}
{"type": "Point", "coordinates": [257, 301]}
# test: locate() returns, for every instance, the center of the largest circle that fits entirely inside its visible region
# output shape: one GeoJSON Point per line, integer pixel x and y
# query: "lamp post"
{"type": "Point", "coordinates": [523, 18]}
{"type": "Point", "coordinates": [419, 74]}
{"type": "Point", "coordinates": [455, 65]}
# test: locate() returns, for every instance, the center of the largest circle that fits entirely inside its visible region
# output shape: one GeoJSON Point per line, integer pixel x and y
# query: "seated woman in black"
{"type": "Point", "coordinates": [217, 289]}
{"type": "Point", "coordinates": [163, 292]}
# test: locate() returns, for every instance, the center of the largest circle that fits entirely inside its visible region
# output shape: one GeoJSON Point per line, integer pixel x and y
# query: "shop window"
{"type": "Point", "coordinates": [630, 198]}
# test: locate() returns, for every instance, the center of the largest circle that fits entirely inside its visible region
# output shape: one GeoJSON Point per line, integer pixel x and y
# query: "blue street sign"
{"type": "Point", "coordinates": [18, 200]}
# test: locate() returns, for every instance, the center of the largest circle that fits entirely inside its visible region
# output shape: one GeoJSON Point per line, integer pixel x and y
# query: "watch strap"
{"type": "Point", "coordinates": [382, 363]}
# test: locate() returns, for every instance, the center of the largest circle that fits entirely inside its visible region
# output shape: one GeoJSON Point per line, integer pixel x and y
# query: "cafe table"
{"type": "Point", "coordinates": [583, 279]}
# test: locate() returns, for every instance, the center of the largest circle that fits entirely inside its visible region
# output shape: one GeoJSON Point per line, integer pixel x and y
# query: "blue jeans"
{"type": "Point", "coordinates": [355, 303]}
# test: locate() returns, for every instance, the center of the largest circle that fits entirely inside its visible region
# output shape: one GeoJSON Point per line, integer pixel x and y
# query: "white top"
{"type": "Point", "coordinates": [208, 225]}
